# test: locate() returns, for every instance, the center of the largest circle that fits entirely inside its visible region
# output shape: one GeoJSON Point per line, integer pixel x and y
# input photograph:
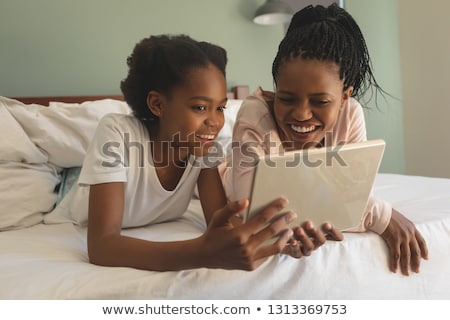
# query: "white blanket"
{"type": "Point", "coordinates": [50, 261]}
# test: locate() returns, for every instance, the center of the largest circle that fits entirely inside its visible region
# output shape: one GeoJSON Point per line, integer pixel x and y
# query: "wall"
{"type": "Point", "coordinates": [425, 52]}
{"type": "Point", "coordinates": [66, 47]}
{"type": "Point", "coordinates": [378, 21]}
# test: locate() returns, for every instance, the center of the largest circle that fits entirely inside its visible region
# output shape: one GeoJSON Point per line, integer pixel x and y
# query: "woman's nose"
{"type": "Point", "coordinates": [302, 112]}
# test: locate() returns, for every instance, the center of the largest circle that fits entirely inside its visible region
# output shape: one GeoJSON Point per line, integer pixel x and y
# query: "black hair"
{"type": "Point", "coordinates": [160, 63]}
{"type": "Point", "coordinates": [329, 34]}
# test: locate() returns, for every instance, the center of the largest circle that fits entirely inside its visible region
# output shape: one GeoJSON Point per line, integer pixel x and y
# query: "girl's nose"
{"type": "Point", "coordinates": [213, 120]}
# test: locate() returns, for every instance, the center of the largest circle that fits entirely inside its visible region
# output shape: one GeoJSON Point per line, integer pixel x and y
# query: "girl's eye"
{"type": "Point", "coordinates": [221, 108]}
{"type": "Point", "coordinates": [199, 108]}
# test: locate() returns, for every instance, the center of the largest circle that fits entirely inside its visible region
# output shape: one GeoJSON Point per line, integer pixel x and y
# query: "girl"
{"type": "Point", "coordinates": [142, 168]}
{"type": "Point", "coordinates": [321, 64]}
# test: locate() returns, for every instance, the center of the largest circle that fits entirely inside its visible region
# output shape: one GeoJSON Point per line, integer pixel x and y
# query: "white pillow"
{"type": "Point", "coordinates": [15, 145]}
{"type": "Point", "coordinates": [64, 130]}
{"type": "Point", "coordinates": [226, 134]}
{"type": "Point", "coordinates": [27, 192]}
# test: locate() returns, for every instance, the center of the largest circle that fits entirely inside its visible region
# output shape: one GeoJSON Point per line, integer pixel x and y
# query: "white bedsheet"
{"type": "Point", "coordinates": [50, 261]}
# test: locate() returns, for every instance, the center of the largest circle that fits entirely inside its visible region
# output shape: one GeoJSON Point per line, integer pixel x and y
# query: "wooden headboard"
{"type": "Point", "coordinates": [237, 92]}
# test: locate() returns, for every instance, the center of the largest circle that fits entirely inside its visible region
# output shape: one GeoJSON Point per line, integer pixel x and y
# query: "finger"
{"type": "Point", "coordinates": [415, 256]}
{"type": "Point", "coordinates": [293, 249]}
{"type": "Point", "coordinates": [405, 258]}
{"type": "Point", "coordinates": [274, 228]}
{"type": "Point", "coordinates": [422, 245]}
{"type": "Point", "coordinates": [394, 256]}
{"type": "Point", "coordinates": [317, 236]}
{"type": "Point", "coordinates": [331, 233]}
{"type": "Point", "coordinates": [265, 216]}
{"type": "Point", "coordinates": [307, 244]}
{"type": "Point", "coordinates": [277, 247]}
{"type": "Point", "coordinates": [223, 215]}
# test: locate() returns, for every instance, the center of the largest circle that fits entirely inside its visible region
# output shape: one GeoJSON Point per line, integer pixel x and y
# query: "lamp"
{"type": "Point", "coordinates": [273, 12]}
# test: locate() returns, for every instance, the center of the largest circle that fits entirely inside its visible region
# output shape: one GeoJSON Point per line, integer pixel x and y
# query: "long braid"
{"type": "Point", "coordinates": [329, 34]}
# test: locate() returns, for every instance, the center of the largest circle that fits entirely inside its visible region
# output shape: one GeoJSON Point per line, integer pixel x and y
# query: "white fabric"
{"type": "Point", "coordinates": [51, 262]}
{"type": "Point", "coordinates": [64, 130]}
{"type": "Point", "coordinates": [146, 201]}
{"type": "Point", "coordinates": [35, 142]}
{"type": "Point", "coordinates": [27, 192]}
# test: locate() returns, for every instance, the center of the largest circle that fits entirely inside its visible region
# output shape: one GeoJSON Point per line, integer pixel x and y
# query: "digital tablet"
{"type": "Point", "coordinates": [328, 184]}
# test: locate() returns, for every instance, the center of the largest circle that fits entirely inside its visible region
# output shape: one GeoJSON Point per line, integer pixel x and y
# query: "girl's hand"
{"type": "Point", "coordinates": [227, 246]}
{"type": "Point", "coordinates": [406, 245]}
{"type": "Point", "coordinates": [308, 238]}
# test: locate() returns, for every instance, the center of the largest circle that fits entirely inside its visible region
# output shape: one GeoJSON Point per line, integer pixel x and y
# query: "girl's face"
{"type": "Point", "coordinates": [191, 117]}
{"type": "Point", "coordinates": [308, 99]}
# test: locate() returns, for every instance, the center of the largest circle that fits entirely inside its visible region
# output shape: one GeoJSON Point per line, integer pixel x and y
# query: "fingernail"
{"type": "Point", "coordinates": [284, 202]}
{"type": "Point", "coordinates": [290, 216]}
{"type": "Point", "coordinates": [241, 202]}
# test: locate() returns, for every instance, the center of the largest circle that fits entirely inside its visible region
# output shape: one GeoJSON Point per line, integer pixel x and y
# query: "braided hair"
{"type": "Point", "coordinates": [329, 34]}
{"type": "Point", "coordinates": [161, 63]}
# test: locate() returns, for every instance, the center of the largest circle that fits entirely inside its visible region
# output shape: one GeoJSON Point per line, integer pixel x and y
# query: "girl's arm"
{"type": "Point", "coordinates": [221, 246]}
{"type": "Point", "coordinates": [106, 245]}
{"type": "Point", "coordinates": [211, 192]}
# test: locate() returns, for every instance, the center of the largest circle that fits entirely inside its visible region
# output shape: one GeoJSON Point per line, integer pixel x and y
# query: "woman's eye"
{"type": "Point", "coordinates": [286, 100]}
{"type": "Point", "coordinates": [320, 102]}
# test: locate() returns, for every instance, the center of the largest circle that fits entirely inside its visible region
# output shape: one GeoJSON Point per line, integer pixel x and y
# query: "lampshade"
{"type": "Point", "coordinates": [273, 12]}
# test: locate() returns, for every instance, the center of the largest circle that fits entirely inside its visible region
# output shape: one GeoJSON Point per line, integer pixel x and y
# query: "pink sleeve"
{"type": "Point", "coordinates": [253, 126]}
{"type": "Point", "coordinates": [378, 212]}
{"type": "Point", "coordinates": [376, 216]}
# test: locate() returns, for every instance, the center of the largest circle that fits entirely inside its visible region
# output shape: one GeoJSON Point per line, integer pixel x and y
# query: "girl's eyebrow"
{"type": "Point", "coordinates": [224, 100]}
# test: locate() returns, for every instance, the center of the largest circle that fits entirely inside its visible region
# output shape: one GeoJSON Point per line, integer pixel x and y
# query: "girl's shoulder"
{"type": "Point", "coordinates": [120, 122]}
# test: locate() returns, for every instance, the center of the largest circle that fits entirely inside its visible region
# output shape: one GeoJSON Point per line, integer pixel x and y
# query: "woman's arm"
{"type": "Point", "coordinates": [221, 246]}
{"type": "Point", "coordinates": [405, 243]}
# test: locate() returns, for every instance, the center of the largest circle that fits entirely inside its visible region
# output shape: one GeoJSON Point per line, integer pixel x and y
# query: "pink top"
{"type": "Point", "coordinates": [256, 128]}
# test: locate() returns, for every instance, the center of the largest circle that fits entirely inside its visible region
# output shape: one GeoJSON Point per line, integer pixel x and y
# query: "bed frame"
{"type": "Point", "coordinates": [236, 92]}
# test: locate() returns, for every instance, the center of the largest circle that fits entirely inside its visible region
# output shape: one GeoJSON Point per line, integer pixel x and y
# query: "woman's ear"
{"type": "Point", "coordinates": [346, 95]}
{"type": "Point", "coordinates": [154, 103]}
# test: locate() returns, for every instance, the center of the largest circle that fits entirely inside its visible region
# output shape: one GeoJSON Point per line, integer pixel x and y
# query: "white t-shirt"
{"type": "Point", "coordinates": [120, 152]}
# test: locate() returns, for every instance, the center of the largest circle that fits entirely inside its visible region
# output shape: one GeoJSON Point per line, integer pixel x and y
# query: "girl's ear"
{"type": "Point", "coordinates": [154, 103]}
{"type": "Point", "coordinates": [346, 95]}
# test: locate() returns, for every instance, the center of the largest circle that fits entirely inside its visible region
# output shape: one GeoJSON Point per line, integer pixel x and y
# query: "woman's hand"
{"type": "Point", "coordinates": [308, 238]}
{"type": "Point", "coordinates": [406, 245]}
{"type": "Point", "coordinates": [226, 246]}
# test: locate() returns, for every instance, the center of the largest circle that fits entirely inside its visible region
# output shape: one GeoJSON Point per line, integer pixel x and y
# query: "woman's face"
{"type": "Point", "coordinates": [191, 117]}
{"type": "Point", "coordinates": [308, 99]}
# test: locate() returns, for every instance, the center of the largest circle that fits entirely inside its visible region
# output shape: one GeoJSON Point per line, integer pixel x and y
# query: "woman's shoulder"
{"type": "Point", "coordinates": [353, 111]}
{"type": "Point", "coordinates": [254, 109]}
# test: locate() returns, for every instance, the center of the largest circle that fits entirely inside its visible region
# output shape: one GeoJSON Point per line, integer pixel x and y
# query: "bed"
{"type": "Point", "coordinates": [46, 258]}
